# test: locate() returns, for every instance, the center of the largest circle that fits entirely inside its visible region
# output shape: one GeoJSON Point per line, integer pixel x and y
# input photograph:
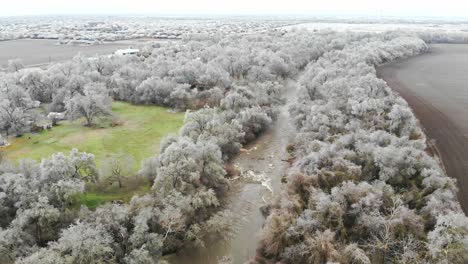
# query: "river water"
{"type": "Point", "coordinates": [261, 166]}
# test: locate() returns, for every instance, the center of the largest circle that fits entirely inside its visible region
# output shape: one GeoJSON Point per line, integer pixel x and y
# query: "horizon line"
{"type": "Point", "coordinates": [337, 15]}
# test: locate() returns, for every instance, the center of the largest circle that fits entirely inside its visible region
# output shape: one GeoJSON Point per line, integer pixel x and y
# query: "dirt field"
{"type": "Point", "coordinates": [43, 51]}
{"type": "Point", "coordinates": [436, 87]}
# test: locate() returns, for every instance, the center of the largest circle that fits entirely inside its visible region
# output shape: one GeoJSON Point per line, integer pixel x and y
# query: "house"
{"type": "Point", "coordinates": [123, 52]}
{"type": "Point", "coordinates": [56, 115]}
{"type": "Point", "coordinates": [41, 125]}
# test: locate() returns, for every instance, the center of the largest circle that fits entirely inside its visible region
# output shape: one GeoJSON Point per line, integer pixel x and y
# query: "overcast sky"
{"type": "Point", "coordinates": [439, 8]}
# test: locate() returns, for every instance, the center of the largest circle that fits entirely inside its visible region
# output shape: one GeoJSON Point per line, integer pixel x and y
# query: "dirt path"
{"type": "Point", "coordinates": [449, 138]}
{"type": "Point", "coordinates": [261, 167]}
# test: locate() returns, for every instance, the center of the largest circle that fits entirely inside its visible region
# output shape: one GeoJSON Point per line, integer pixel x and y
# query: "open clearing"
{"type": "Point", "coordinates": [44, 51]}
{"type": "Point", "coordinates": [436, 87]}
{"type": "Point", "coordinates": [138, 135]}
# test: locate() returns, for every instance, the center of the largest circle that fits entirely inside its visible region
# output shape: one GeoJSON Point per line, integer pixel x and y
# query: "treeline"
{"type": "Point", "coordinates": [444, 37]}
{"type": "Point", "coordinates": [434, 36]}
{"type": "Point", "coordinates": [235, 82]}
{"type": "Point", "coordinates": [98, 29]}
{"type": "Point", "coordinates": [362, 188]}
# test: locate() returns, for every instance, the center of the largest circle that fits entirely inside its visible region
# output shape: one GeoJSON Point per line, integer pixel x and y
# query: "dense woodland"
{"type": "Point", "coordinates": [361, 188]}
{"type": "Point", "coordinates": [95, 30]}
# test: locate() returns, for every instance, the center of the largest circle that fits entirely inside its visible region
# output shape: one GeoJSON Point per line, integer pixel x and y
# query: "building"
{"type": "Point", "coordinates": [41, 125]}
{"type": "Point", "coordinates": [124, 52]}
{"type": "Point", "coordinates": [56, 115]}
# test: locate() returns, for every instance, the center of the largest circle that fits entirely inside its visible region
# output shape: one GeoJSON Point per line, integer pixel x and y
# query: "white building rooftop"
{"type": "Point", "coordinates": [127, 51]}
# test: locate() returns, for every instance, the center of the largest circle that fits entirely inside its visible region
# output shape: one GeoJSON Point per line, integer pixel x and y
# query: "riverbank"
{"type": "Point", "coordinates": [260, 167]}
{"type": "Point", "coordinates": [434, 87]}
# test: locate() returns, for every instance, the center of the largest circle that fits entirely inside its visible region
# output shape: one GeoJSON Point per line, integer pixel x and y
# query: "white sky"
{"type": "Point", "coordinates": [439, 8]}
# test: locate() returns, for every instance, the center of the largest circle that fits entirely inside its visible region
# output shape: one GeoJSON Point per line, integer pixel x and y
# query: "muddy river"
{"type": "Point", "coordinates": [262, 165]}
{"type": "Point", "coordinates": [436, 87]}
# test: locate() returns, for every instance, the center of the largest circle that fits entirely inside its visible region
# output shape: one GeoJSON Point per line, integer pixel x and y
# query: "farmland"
{"type": "Point", "coordinates": [434, 85]}
{"type": "Point", "coordinates": [39, 52]}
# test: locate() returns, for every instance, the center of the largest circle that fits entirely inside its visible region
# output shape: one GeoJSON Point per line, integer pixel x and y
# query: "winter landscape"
{"type": "Point", "coordinates": [233, 134]}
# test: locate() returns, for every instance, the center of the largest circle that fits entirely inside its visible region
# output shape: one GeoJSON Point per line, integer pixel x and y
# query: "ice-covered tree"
{"type": "Point", "coordinates": [16, 109]}
{"type": "Point", "coordinates": [91, 105]}
{"type": "Point", "coordinates": [15, 65]}
{"type": "Point", "coordinates": [117, 168]}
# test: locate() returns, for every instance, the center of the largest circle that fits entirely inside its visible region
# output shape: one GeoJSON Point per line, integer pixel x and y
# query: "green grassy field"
{"type": "Point", "coordinates": [138, 134]}
{"type": "Point", "coordinates": [95, 195]}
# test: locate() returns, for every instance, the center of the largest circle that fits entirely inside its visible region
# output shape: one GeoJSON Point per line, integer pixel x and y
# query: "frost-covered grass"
{"type": "Point", "coordinates": [138, 134]}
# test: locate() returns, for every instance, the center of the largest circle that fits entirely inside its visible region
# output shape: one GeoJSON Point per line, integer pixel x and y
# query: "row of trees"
{"type": "Point", "coordinates": [362, 188]}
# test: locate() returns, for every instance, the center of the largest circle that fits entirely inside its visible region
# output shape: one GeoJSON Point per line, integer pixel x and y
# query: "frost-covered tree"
{"type": "Point", "coordinates": [117, 168]}
{"type": "Point", "coordinates": [448, 240]}
{"type": "Point", "coordinates": [41, 218]}
{"type": "Point", "coordinates": [149, 168]}
{"type": "Point", "coordinates": [91, 105]}
{"type": "Point", "coordinates": [34, 81]}
{"type": "Point", "coordinates": [84, 243]}
{"type": "Point", "coordinates": [155, 91]}
{"type": "Point", "coordinates": [16, 109]}
{"type": "Point", "coordinates": [15, 65]}
{"type": "Point", "coordinates": [35, 201]}
{"type": "Point", "coordinates": [361, 172]}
